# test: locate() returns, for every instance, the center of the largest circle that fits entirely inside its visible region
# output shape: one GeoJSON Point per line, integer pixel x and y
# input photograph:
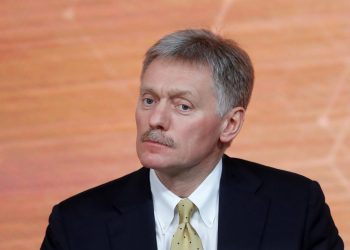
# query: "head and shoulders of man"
{"type": "Point", "coordinates": [194, 92]}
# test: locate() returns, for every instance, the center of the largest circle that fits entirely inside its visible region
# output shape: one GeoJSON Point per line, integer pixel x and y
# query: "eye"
{"type": "Point", "coordinates": [184, 107]}
{"type": "Point", "coordinates": [148, 101]}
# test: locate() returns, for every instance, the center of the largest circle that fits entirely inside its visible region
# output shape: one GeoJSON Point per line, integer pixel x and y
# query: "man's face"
{"type": "Point", "coordinates": [176, 116]}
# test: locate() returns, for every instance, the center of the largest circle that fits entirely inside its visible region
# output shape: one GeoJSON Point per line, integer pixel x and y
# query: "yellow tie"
{"type": "Point", "coordinates": [186, 237]}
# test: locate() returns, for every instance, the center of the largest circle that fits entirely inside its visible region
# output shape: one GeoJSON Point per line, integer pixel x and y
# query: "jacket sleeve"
{"type": "Point", "coordinates": [55, 236]}
{"type": "Point", "coordinates": [321, 232]}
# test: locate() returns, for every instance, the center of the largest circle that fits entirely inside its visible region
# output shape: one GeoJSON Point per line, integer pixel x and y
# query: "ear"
{"type": "Point", "coordinates": [232, 123]}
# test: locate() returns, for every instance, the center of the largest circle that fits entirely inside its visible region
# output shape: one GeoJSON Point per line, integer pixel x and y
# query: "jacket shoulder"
{"type": "Point", "coordinates": [273, 181]}
{"type": "Point", "coordinates": [104, 194]}
{"type": "Point", "coordinates": [263, 171]}
{"type": "Point", "coordinates": [294, 199]}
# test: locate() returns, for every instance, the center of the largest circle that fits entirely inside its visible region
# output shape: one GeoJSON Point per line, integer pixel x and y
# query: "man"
{"type": "Point", "coordinates": [195, 88]}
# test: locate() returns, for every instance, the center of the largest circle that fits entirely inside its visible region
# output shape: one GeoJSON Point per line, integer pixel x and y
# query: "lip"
{"type": "Point", "coordinates": [155, 144]}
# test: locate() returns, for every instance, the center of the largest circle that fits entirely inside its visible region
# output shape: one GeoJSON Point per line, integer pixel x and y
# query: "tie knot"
{"type": "Point", "coordinates": [186, 208]}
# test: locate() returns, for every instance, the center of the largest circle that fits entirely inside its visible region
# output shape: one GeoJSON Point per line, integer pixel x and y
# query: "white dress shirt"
{"type": "Point", "coordinates": [204, 221]}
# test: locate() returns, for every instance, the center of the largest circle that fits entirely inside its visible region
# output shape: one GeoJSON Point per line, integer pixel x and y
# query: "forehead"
{"type": "Point", "coordinates": [177, 76]}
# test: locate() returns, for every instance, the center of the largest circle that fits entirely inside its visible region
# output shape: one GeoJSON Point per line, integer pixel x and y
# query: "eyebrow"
{"type": "Point", "coordinates": [179, 92]}
{"type": "Point", "coordinates": [172, 92]}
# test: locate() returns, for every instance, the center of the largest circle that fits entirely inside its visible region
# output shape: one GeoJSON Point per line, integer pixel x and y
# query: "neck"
{"type": "Point", "coordinates": [184, 182]}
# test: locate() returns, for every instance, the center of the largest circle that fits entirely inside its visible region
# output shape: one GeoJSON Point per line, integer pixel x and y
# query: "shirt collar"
{"type": "Point", "coordinates": [205, 197]}
{"type": "Point", "coordinates": [164, 201]}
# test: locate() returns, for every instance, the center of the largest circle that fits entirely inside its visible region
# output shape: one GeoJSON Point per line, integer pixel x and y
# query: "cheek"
{"type": "Point", "coordinates": [141, 120]}
{"type": "Point", "coordinates": [201, 131]}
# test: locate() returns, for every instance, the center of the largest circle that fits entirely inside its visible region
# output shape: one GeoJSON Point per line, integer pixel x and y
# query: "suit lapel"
{"type": "Point", "coordinates": [242, 212]}
{"type": "Point", "coordinates": [132, 225]}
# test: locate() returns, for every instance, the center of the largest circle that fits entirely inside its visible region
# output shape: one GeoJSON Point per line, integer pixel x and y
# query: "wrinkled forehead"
{"type": "Point", "coordinates": [201, 65]}
{"type": "Point", "coordinates": [181, 67]}
{"type": "Point", "coordinates": [177, 78]}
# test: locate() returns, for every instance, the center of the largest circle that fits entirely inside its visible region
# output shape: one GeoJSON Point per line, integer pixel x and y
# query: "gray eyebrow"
{"type": "Point", "coordinates": [172, 92]}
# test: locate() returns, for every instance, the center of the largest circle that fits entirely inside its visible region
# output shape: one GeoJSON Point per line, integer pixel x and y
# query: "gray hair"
{"type": "Point", "coordinates": [231, 67]}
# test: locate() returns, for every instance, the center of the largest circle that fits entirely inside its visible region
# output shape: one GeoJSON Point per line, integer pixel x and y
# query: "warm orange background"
{"type": "Point", "coordinates": [68, 85]}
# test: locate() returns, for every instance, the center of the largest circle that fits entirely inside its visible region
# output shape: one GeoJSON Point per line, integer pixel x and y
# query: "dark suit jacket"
{"type": "Point", "coordinates": [259, 208]}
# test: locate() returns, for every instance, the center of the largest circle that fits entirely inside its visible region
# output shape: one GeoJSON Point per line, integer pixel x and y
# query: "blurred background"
{"type": "Point", "coordinates": [69, 76]}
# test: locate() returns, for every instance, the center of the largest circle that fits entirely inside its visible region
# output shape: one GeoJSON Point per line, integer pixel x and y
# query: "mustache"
{"type": "Point", "coordinates": [156, 135]}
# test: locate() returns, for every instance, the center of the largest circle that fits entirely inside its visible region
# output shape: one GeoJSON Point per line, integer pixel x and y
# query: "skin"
{"type": "Point", "coordinates": [178, 103]}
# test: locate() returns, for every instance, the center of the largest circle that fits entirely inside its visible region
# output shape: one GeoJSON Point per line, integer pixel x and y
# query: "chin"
{"type": "Point", "coordinates": [154, 161]}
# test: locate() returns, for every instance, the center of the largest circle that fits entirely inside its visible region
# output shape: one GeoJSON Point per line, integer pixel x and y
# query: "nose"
{"type": "Point", "coordinates": [160, 117]}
